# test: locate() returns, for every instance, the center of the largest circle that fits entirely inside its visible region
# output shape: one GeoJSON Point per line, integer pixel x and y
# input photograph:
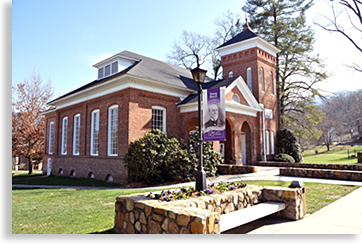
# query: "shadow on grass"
{"type": "Point", "coordinates": [109, 231]}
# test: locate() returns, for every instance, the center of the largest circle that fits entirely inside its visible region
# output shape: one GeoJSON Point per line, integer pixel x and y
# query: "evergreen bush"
{"type": "Point", "coordinates": [156, 158]}
{"type": "Point", "coordinates": [288, 144]}
{"type": "Point", "coordinates": [284, 158]}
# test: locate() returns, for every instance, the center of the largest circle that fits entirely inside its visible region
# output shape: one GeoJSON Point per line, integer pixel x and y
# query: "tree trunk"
{"type": "Point", "coordinates": [30, 166]}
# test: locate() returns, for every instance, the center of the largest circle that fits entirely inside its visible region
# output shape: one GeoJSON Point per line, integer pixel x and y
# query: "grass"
{"type": "Point", "coordinates": [65, 181]}
{"type": "Point", "coordinates": [25, 173]}
{"type": "Point", "coordinates": [338, 154]}
{"type": "Point", "coordinates": [78, 211]}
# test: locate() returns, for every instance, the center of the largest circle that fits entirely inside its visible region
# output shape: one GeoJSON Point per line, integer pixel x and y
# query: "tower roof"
{"type": "Point", "coordinates": [245, 40]}
{"type": "Point", "coordinates": [247, 33]}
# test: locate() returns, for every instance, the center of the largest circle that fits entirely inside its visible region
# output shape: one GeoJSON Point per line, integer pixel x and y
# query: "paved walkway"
{"type": "Point", "coordinates": [344, 216]}
{"type": "Point", "coordinates": [263, 173]}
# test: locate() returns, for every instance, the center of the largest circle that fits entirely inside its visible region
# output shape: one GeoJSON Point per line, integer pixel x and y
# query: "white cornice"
{"type": "Point", "coordinates": [114, 58]}
{"type": "Point", "coordinates": [248, 44]}
{"type": "Point", "coordinates": [121, 83]}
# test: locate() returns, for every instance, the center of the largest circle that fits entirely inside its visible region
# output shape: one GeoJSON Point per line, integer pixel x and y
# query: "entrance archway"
{"type": "Point", "coordinates": [246, 143]}
{"type": "Point", "coordinates": [228, 144]}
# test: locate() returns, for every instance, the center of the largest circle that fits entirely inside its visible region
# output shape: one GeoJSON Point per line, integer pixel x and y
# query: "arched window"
{"type": "Point", "coordinates": [236, 98]}
{"type": "Point", "coordinates": [231, 74]}
{"type": "Point", "coordinates": [51, 137]}
{"type": "Point", "coordinates": [76, 134]}
{"type": "Point", "coordinates": [113, 130]}
{"type": "Point", "coordinates": [249, 78]}
{"type": "Point", "coordinates": [95, 132]}
{"type": "Point", "coordinates": [64, 135]}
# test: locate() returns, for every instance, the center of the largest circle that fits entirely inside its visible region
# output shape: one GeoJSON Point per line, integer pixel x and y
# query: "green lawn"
{"type": "Point", "coordinates": [338, 154]}
{"type": "Point", "coordinates": [78, 211]}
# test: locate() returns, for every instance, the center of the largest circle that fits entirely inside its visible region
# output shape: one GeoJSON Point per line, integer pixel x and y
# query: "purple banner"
{"type": "Point", "coordinates": [214, 114]}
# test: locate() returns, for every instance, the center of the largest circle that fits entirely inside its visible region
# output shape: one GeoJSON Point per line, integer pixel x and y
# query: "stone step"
{"type": "Point", "coordinates": [246, 215]}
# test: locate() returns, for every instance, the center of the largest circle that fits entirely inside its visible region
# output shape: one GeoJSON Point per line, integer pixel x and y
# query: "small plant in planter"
{"type": "Point", "coordinates": [184, 193]}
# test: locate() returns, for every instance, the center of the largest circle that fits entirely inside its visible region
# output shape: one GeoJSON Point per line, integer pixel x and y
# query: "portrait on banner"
{"type": "Point", "coordinates": [214, 114]}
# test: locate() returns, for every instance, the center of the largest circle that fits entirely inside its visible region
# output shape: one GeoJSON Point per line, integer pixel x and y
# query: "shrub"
{"type": "Point", "coordinates": [155, 158]}
{"type": "Point", "coordinates": [210, 158]}
{"type": "Point", "coordinates": [284, 158]}
{"type": "Point", "coordinates": [288, 144]}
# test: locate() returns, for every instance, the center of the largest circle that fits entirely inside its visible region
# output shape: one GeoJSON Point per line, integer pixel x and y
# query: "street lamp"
{"type": "Point", "coordinates": [198, 75]}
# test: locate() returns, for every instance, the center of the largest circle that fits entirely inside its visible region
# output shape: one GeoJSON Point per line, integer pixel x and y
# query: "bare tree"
{"type": "Point", "coordinates": [352, 10]}
{"type": "Point", "coordinates": [29, 101]}
{"type": "Point", "coordinates": [190, 51]}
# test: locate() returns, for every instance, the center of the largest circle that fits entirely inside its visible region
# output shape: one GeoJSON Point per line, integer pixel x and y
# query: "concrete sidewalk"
{"type": "Point", "coordinates": [344, 216]}
{"type": "Point", "coordinates": [263, 173]}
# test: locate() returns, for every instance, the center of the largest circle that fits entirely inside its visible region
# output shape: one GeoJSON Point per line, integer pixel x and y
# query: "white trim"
{"type": "Point", "coordinates": [109, 147]}
{"type": "Point", "coordinates": [74, 135]}
{"type": "Point", "coordinates": [51, 132]}
{"type": "Point", "coordinates": [112, 59]}
{"type": "Point", "coordinates": [120, 83]}
{"type": "Point", "coordinates": [92, 129]}
{"type": "Point", "coordinates": [64, 135]}
{"type": "Point", "coordinates": [163, 116]}
{"type": "Point", "coordinates": [272, 142]}
{"type": "Point", "coordinates": [252, 109]}
{"type": "Point", "coordinates": [248, 44]}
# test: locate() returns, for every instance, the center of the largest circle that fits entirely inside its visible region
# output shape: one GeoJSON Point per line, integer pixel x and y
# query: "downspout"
{"type": "Point", "coordinates": [263, 132]}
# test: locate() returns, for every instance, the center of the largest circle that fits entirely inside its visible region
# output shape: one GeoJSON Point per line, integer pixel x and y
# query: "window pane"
{"type": "Point", "coordinates": [100, 73]}
{"type": "Point", "coordinates": [249, 78]}
{"type": "Point", "coordinates": [107, 70]}
{"type": "Point", "coordinates": [95, 133]}
{"type": "Point", "coordinates": [64, 136]}
{"type": "Point", "coordinates": [113, 131]}
{"type": "Point", "coordinates": [114, 67]}
{"type": "Point", "coordinates": [76, 135]}
{"type": "Point", "coordinates": [157, 119]}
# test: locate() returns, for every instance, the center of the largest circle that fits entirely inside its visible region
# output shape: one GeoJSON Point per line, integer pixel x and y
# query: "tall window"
{"type": "Point", "coordinates": [267, 142]}
{"type": "Point", "coordinates": [262, 79]}
{"type": "Point", "coordinates": [113, 130]}
{"type": "Point", "coordinates": [76, 134]}
{"type": "Point", "coordinates": [159, 118]}
{"type": "Point", "coordinates": [51, 137]}
{"type": "Point", "coordinates": [64, 135]}
{"type": "Point", "coordinates": [249, 78]}
{"type": "Point", "coordinates": [271, 83]}
{"type": "Point", "coordinates": [95, 132]}
{"type": "Point", "coordinates": [272, 142]}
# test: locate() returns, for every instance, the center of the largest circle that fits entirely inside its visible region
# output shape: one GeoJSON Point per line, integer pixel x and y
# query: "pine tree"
{"type": "Point", "coordinates": [283, 23]}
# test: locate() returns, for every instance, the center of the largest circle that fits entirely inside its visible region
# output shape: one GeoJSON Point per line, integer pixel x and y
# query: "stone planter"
{"type": "Point", "coordinates": [138, 214]}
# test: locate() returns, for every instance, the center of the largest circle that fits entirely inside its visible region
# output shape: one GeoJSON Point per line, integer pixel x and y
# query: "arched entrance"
{"type": "Point", "coordinates": [246, 143]}
{"type": "Point", "coordinates": [228, 144]}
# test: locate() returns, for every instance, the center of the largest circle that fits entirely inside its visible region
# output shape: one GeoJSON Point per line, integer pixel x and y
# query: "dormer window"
{"type": "Point", "coordinates": [108, 70]}
{"type": "Point", "coordinates": [113, 65]}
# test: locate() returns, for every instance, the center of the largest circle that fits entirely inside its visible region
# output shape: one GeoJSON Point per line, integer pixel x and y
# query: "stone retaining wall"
{"type": "Point", "coordinates": [225, 169]}
{"type": "Point", "coordinates": [321, 173]}
{"type": "Point", "coordinates": [348, 167]}
{"type": "Point", "coordinates": [138, 214]}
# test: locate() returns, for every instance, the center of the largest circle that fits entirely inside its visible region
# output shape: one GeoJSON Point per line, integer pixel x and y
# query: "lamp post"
{"type": "Point", "coordinates": [198, 75]}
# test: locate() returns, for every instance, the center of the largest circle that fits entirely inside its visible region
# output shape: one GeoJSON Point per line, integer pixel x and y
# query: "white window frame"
{"type": "Point", "coordinates": [267, 142]}
{"type": "Point", "coordinates": [236, 98]}
{"type": "Point", "coordinates": [272, 142]}
{"type": "Point", "coordinates": [271, 83]}
{"type": "Point", "coordinates": [262, 79]}
{"type": "Point", "coordinates": [64, 135]}
{"type": "Point", "coordinates": [163, 117]}
{"type": "Point", "coordinates": [102, 70]}
{"type": "Point", "coordinates": [97, 111]}
{"type": "Point", "coordinates": [51, 137]}
{"type": "Point", "coordinates": [110, 138]}
{"type": "Point", "coordinates": [249, 78]}
{"type": "Point", "coordinates": [76, 135]}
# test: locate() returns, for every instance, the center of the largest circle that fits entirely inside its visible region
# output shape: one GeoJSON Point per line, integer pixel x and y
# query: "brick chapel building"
{"type": "Point", "coordinates": [90, 128]}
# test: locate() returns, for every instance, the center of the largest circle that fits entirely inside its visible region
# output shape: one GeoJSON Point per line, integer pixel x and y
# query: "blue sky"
{"type": "Point", "coordinates": [62, 39]}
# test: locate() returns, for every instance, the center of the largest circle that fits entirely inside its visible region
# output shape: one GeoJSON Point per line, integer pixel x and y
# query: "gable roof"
{"type": "Point", "coordinates": [213, 84]}
{"type": "Point", "coordinates": [190, 103]}
{"type": "Point", "coordinates": [148, 68]}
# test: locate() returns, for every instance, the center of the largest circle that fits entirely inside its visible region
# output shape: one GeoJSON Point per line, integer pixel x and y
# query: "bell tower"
{"type": "Point", "coordinates": [254, 59]}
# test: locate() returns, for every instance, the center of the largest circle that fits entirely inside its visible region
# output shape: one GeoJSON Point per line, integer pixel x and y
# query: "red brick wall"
{"type": "Point", "coordinates": [135, 114]}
